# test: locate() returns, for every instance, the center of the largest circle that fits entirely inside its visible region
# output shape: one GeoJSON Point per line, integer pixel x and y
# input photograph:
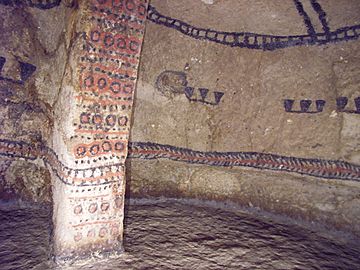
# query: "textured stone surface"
{"type": "Point", "coordinates": [68, 75]}
{"type": "Point", "coordinates": [36, 38]}
{"type": "Point", "coordinates": [251, 114]}
{"type": "Point", "coordinates": [324, 201]}
{"type": "Point", "coordinates": [234, 102]}
{"type": "Point", "coordinates": [91, 138]}
{"type": "Point", "coordinates": [30, 180]}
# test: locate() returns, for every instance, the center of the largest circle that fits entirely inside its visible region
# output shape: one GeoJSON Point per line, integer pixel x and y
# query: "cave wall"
{"type": "Point", "coordinates": [255, 102]}
{"type": "Point", "coordinates": [34, 45]}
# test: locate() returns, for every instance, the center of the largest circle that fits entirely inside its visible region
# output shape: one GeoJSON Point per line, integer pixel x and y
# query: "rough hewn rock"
{"type": "Point", "coordinates": [33, 182]}
{"type": "Point", "coordinates": [68, 75]}
{"type": "Point", "coordinates": [33, 52]}
{"type": "Point", "coordinates": [215, 76]}
{"type": "Point", "coordinates": [251, 115]}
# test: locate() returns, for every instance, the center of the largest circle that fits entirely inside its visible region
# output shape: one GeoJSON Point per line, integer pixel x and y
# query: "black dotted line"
{"type": "Point", "coordinates": [104, 187]}
{"type": "Point", "coordinates": [104, 96]}
{"type": "Point", "coordinates": [96, 138]}
{"type": "Point", "coordinates": [82, 190]}
{"type": "Point", "coordinates": [101, 60]}
{"type": "Point", "coordinates": [106, 108]}
{"type": "Point", "coordinates": [92, 128]}
{"type": "Point", "coordinates": [330, 169]}
{"type": "Point", "coordinates": [99, 158]}
{"type": "Point", "coordinates": [88, 48]}
{"type": "Point", "coordinates": [112, 74]}
{"type": "Point", "coordinates": [33, 151]}
{"type": "Point", "coordinates": [116, 25]}
{"type": "Point", "coordinates": [94, 218]}
{"type": "Point", "coordinates": [123, 16]}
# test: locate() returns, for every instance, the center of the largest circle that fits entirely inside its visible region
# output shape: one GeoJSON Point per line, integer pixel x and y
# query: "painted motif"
{"type": "Point", "coordinates": [307, 106]}
{"type": "Point", "coordinates": [170, 83]}
{"type": "Point", "coordinates": [26, 71]}
{"type": "Point", "coordinates": [107, 68]}
{"type": "Point", "coordinates": [262, 41]}
{"type": "Point", "coordinates": [328, 169]}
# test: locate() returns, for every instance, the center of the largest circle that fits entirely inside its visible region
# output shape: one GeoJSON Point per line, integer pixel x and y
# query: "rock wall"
{"type": "Point", "coordinates": [253, 102]}
{"type": "Point", "coordinates": [247, 101]}
{"type": "Point", "coordinates": [35, 42]}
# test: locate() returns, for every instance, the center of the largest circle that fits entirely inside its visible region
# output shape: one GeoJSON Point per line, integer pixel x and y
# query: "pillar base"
{"type": "Point", "coordinates": [88, 255]}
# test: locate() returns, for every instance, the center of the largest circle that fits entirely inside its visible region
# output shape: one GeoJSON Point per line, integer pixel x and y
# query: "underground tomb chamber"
{"type": "Point", "coordinates": [253, 103]}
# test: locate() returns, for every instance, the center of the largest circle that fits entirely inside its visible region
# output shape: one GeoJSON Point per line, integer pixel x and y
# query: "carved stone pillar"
{"type": "Point", "coordinates": [92, 123]}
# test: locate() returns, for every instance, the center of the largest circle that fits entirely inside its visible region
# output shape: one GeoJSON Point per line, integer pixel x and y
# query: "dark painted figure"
{"type": "Point", "coordinates": [175, 82]}
{"type": "Point", "coordinates": [26, 70]}
{"type": "Point", "coordinates": [342, 103]}
{"type": "Point", "coordinates": [305, 105]}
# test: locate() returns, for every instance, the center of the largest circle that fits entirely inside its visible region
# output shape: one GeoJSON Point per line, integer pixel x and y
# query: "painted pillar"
{"type": "Point", "coordinates": [92, 127]}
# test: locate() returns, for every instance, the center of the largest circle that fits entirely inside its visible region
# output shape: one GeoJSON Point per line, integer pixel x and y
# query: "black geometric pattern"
{"type": "Point", "coordinates": [262, 41]}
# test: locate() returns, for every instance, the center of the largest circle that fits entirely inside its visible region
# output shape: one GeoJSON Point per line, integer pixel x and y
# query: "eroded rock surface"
{"type": "Point", "coordinates": [32, 60]}
{"type": "Point", "coordinates": [248, 101]}
{"type": "Point", "coordinates": [68, 76]}
{"type": "Point", "coordinates": [257, 77]}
